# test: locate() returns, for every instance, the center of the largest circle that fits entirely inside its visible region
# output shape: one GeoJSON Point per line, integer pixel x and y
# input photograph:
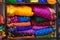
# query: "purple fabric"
{"type": "Point", "coordinates": [42, 11]}
{"type": "Point", "coordinates": [0, 37]}
{"type": "Point", "coordinates": [39, 27]}
{"type": "Point", "coordinates": [28, 31]}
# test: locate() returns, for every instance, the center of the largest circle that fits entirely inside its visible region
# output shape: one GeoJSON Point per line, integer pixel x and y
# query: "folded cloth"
{"type": "Point", "coordinates": [22, 28]}
{"type": "Point", "coordinates": [9, 1]}
{"type": "Point", "coordinates": [16, 28]}
{"type": "Point", "coordinates": [1, 28]}
{"type": "Point", "coordinates": [45, 36]}
{"type": "Point", "coordinates": [43, 31]}
{"type": "Point", "coordinates": [0, 37]}
{"type": "Point", "coordinates": [42, 1]}
{"type": "Point", "coordinates": [22, 37]}
{"type": "Point", "coordinates": [10, 10]}
{"type": "Point", "coordinates": [13, 19]}
{"type": "Point", "coordinates": [20, 34]}
{"type": "Point", "coordinates": [3, 34]}
{"type": "Point", "coordinates": [22, 24]}
{"type": "Point", "coordinates": [38, 19]}
{"type": "Point", "coordinates": [35, 1]}
{"type": "Point", "coordinates": [16, 19]}
{"type": "Point", "coordinates": [20, 1]}
{"type": "Point", "coordinates": [31, 31]}
{"type": "Point", "coordinates": [1, 20]}
{"type": "Point", "coordinates": [23, 19]}
{"type": "Point", "coordinates": [45, 12]}
{"type": "Point", "coordinates": [24, 11]}
{"type": "Point", "coordinates": [19, 10]}
{"type": "Point", "coordinates": [42, 23]}
{"type": "Point", "coordinates": [42, 11]}
{"type": "Point", "coordinates": [39, 27]}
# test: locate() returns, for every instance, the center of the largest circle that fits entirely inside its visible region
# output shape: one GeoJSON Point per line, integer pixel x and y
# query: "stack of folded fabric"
{"type": "Point", "coordinates": [31, 21]}
{"type": "Point", "coordinates": [20, 21]}
{"type": "Point", "coordinates": [43, 21]}
{"type": "Point", "coordinates": [1, 26]}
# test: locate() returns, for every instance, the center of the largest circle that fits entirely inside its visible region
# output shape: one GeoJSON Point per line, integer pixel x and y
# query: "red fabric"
{"type": "Point", "coordinates": [41, 23]}
{"type": "Point", "coordinates": [1, 20]}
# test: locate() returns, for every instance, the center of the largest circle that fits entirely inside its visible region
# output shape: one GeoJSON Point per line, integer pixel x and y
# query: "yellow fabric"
{"type": "Point", "coordinates": [24, 11]}
{"type": "Point", "coordinates": [10, 10]}
{"type": "Point", "coordinates": [33, 0]}
{"type": "Point", "coordinates": [19, 11]}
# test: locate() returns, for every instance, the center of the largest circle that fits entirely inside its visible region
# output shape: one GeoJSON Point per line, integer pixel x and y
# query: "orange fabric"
{"type": "Point", "coordinates": [10, 10]}
{"type": "Point", "coordinates": [22, 24]}
{"type": "Point", "coordinates": [19, 10]}
{"type": "Point", "coordinates": [0, 0]}
{"type": "Point", "coordinates": [24, 11]}
{"type": "Point", "coordinates": [22, 37]}
{"type": "Point", "coordinates": [1, 19]}
{"type": "Point", "coordinates": [51, 1]}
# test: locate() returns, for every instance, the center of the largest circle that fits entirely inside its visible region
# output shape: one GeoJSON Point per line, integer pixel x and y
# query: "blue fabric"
{"type": "Point", "coordinates": [19, 0]}
{"type": "Point", "coordinates": [1, 27]}
{"type": "Point", "coordinates": [59, 21]}
{"type": "Point", "coordinates": [43, 1]}
{"type": "Point", "coordinates": [23, 19]}
{"type": "Point", "coordinates": [22, 28]}
{"type": "Point", "coordinates": [43, 31]}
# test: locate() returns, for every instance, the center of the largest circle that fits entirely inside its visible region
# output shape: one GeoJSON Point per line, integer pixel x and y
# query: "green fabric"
{"type": "Point", "coordinates": [2, 29]}
{"type": "Point", "coordinates": [38, 19]}
{"type": "Point", "coordinates": [10, 34]}
{"type": "Point", "coordinates": [11, 1]}
{"type": "Point", "coordinates": [45, 36]}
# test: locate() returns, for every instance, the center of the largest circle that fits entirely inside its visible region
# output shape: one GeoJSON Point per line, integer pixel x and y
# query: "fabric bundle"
{"type": "Point", "coordinates": [2, 28]}
{"type": "Point", "coordinates": [21, 20]}
{"type": "Point", "coordinates": [16, 19]}
{"type": "Point", "coordinates": [31, 21]}
{"type": "Point", "coordinates": [1, 22]}
{"type": "Point", "coordinates": [19, 11]}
